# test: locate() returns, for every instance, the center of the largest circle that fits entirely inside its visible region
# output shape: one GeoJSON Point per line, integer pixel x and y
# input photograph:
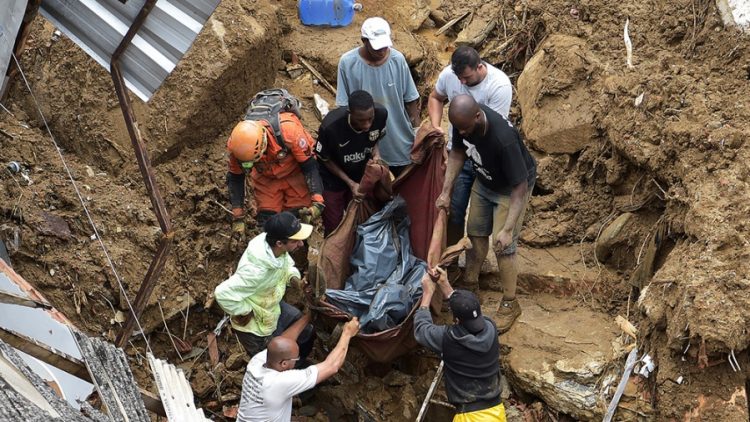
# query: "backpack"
{"type": "Point", "coordinates": [267, 104]}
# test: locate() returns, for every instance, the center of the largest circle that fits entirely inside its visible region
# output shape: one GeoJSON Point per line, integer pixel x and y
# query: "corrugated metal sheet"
{"type": "Point", "coordinates": [175, 392]}
{"type": "Point", "coordinates": [114, 381]}
{"type": "Point", "coordinates": [48, 327]}
{"type": "Point", "coordinates": [26, 397]}
{"type": "Point", "coordinates": [97, 26]}
{"type": "Point", "coordinates": [735, 13]}
{"type": "Point", "coordinates": [10, 21]}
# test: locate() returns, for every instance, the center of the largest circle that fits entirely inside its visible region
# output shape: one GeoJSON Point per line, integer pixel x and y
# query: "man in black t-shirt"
{"type": "Point", "coordinates": [347, 139]}
{"type": "Point", "coordinates": [506, 173]}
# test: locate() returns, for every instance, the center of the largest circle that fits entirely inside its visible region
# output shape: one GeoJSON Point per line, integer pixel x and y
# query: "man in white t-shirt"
{"type": "Point", "coordinates": [488, 85]}
{"type": "Point", "coordinates": [271, 381]}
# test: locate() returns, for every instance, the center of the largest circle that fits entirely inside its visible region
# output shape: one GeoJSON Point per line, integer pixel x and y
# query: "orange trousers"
{"type": "Point", "coordinates": [278, 195]}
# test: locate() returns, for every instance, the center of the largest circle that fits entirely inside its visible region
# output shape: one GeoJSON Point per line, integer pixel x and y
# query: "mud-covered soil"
{"type": "Point", "coordinates": [664, 141]}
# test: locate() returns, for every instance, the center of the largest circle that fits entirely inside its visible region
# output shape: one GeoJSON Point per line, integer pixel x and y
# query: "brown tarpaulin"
{"type": "Point", "coordinates": [420, 185]}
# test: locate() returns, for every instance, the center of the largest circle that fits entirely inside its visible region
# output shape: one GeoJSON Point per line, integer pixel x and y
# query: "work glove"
{"type": "Point", "coordinates": [312, 213]}
{"type": "Point", "coordinates": [237, 240]}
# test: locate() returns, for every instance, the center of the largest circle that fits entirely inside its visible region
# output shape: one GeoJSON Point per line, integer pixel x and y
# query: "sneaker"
{"type": "Point", "coordinates": [507, 314]}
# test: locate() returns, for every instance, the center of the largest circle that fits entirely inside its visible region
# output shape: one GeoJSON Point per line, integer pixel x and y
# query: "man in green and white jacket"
{"type": "Point", "coordinates": [253, 295]}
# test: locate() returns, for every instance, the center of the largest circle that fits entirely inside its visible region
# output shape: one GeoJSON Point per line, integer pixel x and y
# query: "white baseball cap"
{"type": "Point", "coordinates": [378, 32]}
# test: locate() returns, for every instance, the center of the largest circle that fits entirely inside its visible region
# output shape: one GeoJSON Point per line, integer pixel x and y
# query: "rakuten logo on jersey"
{"type": "Point", "coordinates": [355, 157]}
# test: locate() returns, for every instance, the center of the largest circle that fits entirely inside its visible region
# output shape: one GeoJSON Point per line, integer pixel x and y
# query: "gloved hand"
{"type": "Point", "coordinates": [312, 213]}
{"type": "Point", "coordinates": [237, 240]}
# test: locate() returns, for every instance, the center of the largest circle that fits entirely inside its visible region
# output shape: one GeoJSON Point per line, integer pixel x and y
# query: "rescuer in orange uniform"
{"type": "Point", "coordinates": [284, 171]}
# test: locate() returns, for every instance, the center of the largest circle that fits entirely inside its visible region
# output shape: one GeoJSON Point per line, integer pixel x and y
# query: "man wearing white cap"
{"type": "Point", "coordinates": [382, 71]}
{"type": "Point", "coordinates": [253, 295]}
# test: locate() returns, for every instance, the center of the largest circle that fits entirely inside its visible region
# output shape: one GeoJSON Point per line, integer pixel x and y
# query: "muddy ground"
{"type": "Point", "coordinates": [643, 181]}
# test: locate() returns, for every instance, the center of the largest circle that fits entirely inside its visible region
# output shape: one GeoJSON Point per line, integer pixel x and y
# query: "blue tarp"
{"type": "Point", "coordinates": [386, 282]}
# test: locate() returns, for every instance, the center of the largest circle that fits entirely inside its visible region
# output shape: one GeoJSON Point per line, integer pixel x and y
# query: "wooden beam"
{"type": "Point", "coordinates": [7, 297]}
{"type": "Point", "coordinates": [318, 75]}
{"type": "Point", "coordinates": [45, 353]}
{"type": "Point", "coordinates": [68, 364]}
{"type": "Point", "coordinates": [452, 22]}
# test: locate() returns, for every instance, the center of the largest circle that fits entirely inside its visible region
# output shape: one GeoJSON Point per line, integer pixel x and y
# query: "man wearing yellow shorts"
{"type": "Point", "coordinates": [469, 349]}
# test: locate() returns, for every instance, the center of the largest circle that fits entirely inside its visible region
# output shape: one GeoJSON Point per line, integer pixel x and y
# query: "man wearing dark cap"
{"type": "Point", "coordinates": [469, 349]}
{"type": "Point", "coordinates": [253, 295]}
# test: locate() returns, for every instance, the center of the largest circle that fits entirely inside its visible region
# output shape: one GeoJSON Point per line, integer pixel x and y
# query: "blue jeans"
{"type": "Point", "coordinates": [461, 194]}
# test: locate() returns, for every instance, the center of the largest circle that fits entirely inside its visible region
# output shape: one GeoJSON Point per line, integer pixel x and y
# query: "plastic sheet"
{"type": "Point", "coordinates": [386, 282]}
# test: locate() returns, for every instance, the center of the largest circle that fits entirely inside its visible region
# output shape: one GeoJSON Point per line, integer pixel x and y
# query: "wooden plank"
{"type": "Point", "coordinates": [68, 364]}
{"type": "Point", "coordinates": [451, 22]}
{"type": "Point", "coordinates": [7, 297]}
{"type": "Point", "coordinates": [318, 76]}
{"type": "Point", "coordinates": [45, 353]}
{"type": "Point", "coordinates": [33, 293]}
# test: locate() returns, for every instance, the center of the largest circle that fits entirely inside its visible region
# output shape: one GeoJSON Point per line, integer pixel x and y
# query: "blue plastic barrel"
{"type": "Point", "coordinates": [327, 12]}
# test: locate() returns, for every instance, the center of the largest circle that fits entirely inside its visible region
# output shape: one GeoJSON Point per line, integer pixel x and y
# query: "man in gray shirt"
{"type": "Point", "coordinates": [382, 71]}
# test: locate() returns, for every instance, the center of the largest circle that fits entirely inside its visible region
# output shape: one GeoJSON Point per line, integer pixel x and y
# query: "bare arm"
{"type": "Point", "coordinates": [336, 358]}
{"type": "Point", "coordinates": [435, 104]}
{"type": "Point", "coordinates": [294, 330]}
{"type": "Point", "coordinates": [456, 160]}
{"type": "Point", "coordinates": [445, 286]}
{"type": "Point", "coordinates": [376, 153]}
{"type": "Point", "coordinates": [517, 196]}
{"type": "Point", "coordinates": [428, 289]}
{"type": "Point", "coordinates": [412, 109]}
{"type": "Point", "coordinates": [336, 171]}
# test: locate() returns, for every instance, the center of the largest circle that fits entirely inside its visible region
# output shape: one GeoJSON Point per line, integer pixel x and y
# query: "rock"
{"type": "Point", "coordinates": [557, 110]}
{"type": "Point", "coordinates": [512, 414]}
{"type": "Point", "coordinates": [612, 235]}
{"type": "Point", "coordinates": [554, 359]}
{"type": "Point", "coordinates": [53, 225]}
{"type": "Point", "coordinates": [557, 270]}
{"type": "Point", "coordinates": [482, 23]}
{"type": "Point", "coordinates": [237, 360]}
{"type": "Point", "coordinates": [505, 388]}
{"type": "Point", "coordinates": [234, 378]}
{"type": "Point", "coordinates": [202, 383]}
{"type": "Point", "coordinates": [397, 379]}
{"type": "Point", "coordinates": [409, 403]}
{"type": "Point", "coordinates": [438, 17]}
{"type": "Point", "coordinates": [308, 410]}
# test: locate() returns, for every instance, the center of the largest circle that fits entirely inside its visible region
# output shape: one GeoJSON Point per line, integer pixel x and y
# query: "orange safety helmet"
{"type": "Point", "coordinates": [248, 141]}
